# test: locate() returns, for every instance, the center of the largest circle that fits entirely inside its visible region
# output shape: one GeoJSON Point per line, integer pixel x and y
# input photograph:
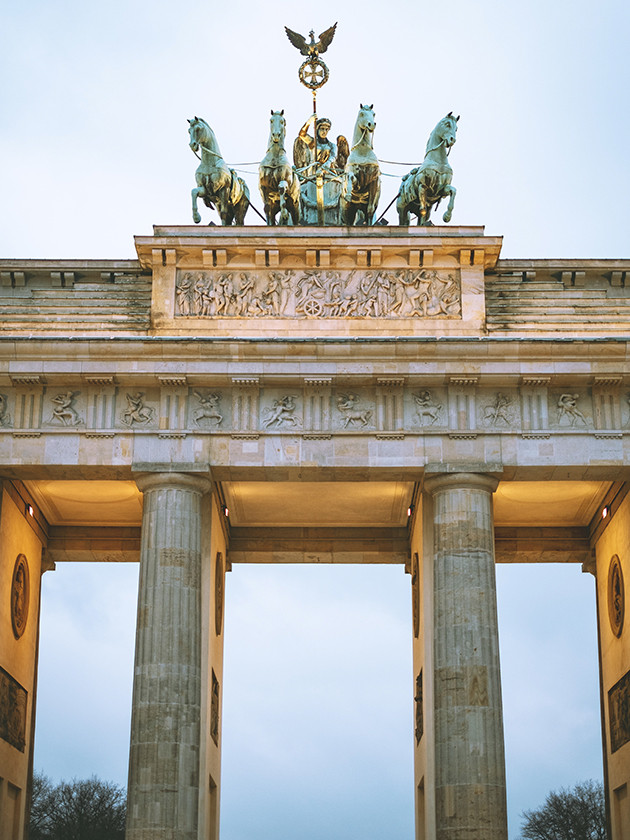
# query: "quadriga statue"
{"type": "Point", "coordinates": [277, 181]}
{"type": "Point", "coordinates": [425, 186]}
{"type": "Point", "coordinates": [217, 184]}
{"type": "Point", "coordinates": [361, 187]}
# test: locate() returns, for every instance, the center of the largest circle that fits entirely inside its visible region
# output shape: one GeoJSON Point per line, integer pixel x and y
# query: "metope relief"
{"type": "Point", "coordinates": [318, 293]}
{"type": "Point", "coordinates": [353, 413]}
{"type": "Point", "coordinates": [500, 412]}
{"type": "Point", "coordinates": [427, 409]}
{"type": "Point", "coordinates": [63, 412]}
{"type": "Point", "coordinates": [5, 417]}
{"type": "Point", "coordinates": [568, 413]}
{"type": "Point", "coordinates": [208, 409]}
{"type": "Point", "coordinates": [137, 412]}
{"type": "Point", "coordinates": [281, 414]}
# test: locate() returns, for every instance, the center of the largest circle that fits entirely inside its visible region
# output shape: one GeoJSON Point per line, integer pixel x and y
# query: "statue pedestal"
{"type": "Point", "coordinates": [319, 282]}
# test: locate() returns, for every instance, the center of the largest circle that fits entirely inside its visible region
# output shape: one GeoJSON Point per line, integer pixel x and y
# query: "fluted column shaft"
{"type": "Point", "coordinates": [163, 793]}
{"type": "Point", "coordinates": [469, 747]}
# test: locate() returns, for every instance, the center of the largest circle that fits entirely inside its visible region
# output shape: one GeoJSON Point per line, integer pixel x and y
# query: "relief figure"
{"type": "Point", "coordinates": [567, 407]}
{"type": "Point", "coordinates": [5, 417]}
{"type": "Point", "coordinates": [136, 411]}
{"type": "Point", "coordinates": [64, 411]}
{"type": "Point", "coordinates": [498, 411]}
{"type": "Point", "coordinates": [426, 407]}
{"type": "Point", "coordinates": [208, 408]}
{"type": "Point", "coordinates": [282, 411]}
{"type": "Point", "coordinates": [347, 405]}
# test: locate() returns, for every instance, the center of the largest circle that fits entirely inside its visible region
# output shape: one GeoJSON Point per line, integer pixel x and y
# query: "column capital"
{"type": "Point", "coordinates": [195, 482]}
{"type": "Point", "coordinates": [464, 481]}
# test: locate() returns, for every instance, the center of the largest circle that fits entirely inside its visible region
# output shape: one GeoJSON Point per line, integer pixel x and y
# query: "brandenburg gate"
{"type": "Point", "coordinates": [254, 394]}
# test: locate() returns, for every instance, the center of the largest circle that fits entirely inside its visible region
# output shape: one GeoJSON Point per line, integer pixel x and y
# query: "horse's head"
{"type": "Point", "coordinates": [366, 120]}
{"type": "Point", "coordinates": [197, 132]}
{"type": "Point", "coordinates": [447, 129]}
{"type": "Point", "coordinates": [277, 127]}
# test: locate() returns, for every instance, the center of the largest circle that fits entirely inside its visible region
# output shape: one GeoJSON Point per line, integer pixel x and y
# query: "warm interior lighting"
{"type": "Point", "coordinates": [226, 511]}
{"type": "Point", "coordinates": [408, 511]}
{"type": "Point", "coordinates": [29, 510]}
{"type": "Point", "coordinates": [604, 513]}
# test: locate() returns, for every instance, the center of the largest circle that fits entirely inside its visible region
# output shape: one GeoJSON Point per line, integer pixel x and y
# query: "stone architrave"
{"type": "Point", "coordinates": [469, 751]}
{"type": "Point", "coordinates": [163, 797]}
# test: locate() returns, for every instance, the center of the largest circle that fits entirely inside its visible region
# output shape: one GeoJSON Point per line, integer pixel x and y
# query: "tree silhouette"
{"type": "Point", "coordinates": [577, 813]}
{"type": "Point", "coordinates": [83, 809]}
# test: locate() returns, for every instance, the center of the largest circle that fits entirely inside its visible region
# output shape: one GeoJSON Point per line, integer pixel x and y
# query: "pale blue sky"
{"type": "Point", "coordinates": [318, 688]}
{"type": "Point", "coordinates": [94, 149]}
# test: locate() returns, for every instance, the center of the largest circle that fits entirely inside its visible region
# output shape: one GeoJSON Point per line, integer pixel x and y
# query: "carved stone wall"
{"type": "Point", "coordinates": [318, 293]}
{"type": "Point", "coordinates": [389, 407]}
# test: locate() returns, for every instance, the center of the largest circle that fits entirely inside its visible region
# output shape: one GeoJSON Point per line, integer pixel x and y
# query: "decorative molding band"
{"type": "Point", "coordinates": [26, 379]}
{"type": "Point", "coordinates": [317, 381]}
{"type": "Point", "coordinates": [166, 435]}
{"type": "Point", "coordinates": [99, 380]}
{"type": "Point", "coordinates": [466, 381]}
{"type": "Point", "coordinates": [608, 435]}
{"type": "Point", "coordinates": [608, 381]}
{"type": "Point", "coordinates": [536, 435]}
{"type": "Point", "coordinates": [30, 434]}
{"type": "Point", "coordinates": [389, 436]}
{"type": "Point", "coordinates": [463, 435]}
{"type": "Point", "coordinates": [244, 436]}
{"type": "Point", "coordinates": [246, 380]}
{"type": "Point", "coordinates": [100, 434]}
{"type": "Point", "coordinates": [316, 437]}
{"type": "Point", "coordinates": [390, 381]}
{"type": "Point", "coordinates": [535, 381]}
{"type": "Point", "coordinates": [173, 381]}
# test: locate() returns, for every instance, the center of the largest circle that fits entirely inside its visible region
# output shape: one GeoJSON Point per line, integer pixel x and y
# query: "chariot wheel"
{"type": "Point", "coordinates": [313, 74]}
{"type": "Point", "coordinates": [313, 308]}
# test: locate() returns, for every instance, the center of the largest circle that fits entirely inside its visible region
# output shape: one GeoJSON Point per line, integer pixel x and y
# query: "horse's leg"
{"type": "Point", "coordinates": [450, 189]}
{"type": "Point", "coordinates": [198, 192]}
{"type": "Point", "coordinates": [284, 202]}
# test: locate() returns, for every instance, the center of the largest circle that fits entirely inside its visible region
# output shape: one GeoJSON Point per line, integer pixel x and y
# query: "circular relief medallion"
{"type": "Point", "coordinates": [415, 596]}
{"type": "Point", "coordinates": [19, 596]}
{"type": "Point", "coordinates": [616, 596]}
{"type": "Point", "coordinates": [313, 73]}
{"type": "Point", "coordinates": [218, 594]}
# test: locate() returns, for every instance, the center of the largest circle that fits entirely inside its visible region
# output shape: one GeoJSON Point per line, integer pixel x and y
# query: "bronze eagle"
{"type": "Point", "coordinates": [315, 48]}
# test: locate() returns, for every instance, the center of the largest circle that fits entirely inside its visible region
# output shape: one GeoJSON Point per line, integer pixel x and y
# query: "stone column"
{"type": "Point", "coordinates": [469, 750]}
{"type": "Point", "coordinates": [163, 792]}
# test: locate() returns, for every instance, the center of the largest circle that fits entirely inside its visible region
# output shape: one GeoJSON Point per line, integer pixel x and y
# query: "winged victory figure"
{"type": "Point", "coordinates": [315, 48]}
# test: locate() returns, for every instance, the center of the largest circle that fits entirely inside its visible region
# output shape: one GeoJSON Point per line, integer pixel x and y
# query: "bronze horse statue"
{"type": "Point", "coordinates": [279, 184]}
{"type": "Point", "coordinates": [426, 185]}
{"type": "Point", "coordinates": [217, 184]}
{"type": "Point", "coordinates": [361, 187]}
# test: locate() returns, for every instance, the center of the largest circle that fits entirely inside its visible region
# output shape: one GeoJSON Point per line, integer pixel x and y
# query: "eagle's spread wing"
{"type": "Point", "coordinates": [297, 40]}
{"type": "Point", "coordinates": [325, 39]}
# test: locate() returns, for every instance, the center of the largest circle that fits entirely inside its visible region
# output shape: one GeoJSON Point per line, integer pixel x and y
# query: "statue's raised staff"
{"type": "Point", "coordinates": [361, 187]}
{"type": "Point", "coordinates": [426, 185]}
{"type": "Point", "coordinates": [217, 184]}
{"type": "Point", "coordinates": [279, 185]}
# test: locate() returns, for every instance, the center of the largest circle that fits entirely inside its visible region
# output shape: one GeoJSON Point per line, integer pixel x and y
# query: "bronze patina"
{"type": "Point", "coordinates": [217, 184]}
{"type": "Point", "coordinates": [361, 188]}
{"type": "Point", "coordinates": [426, 185]}
{"type": "Point", "coordinates": [278, 182]}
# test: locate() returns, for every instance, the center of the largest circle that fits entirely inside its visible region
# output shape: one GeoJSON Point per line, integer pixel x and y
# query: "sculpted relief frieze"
{"type": "Point", "coordinates": [318, 293]}
{"type": "Point", "coordinates": [389, 408]}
